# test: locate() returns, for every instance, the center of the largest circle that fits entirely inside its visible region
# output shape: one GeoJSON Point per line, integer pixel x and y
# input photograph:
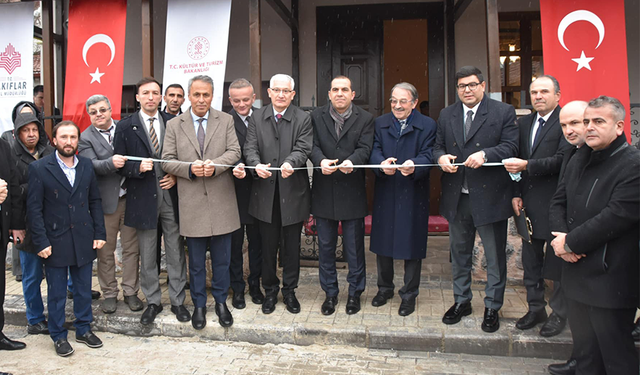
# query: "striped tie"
{"type": "Point", "coordinates": [153, 136]}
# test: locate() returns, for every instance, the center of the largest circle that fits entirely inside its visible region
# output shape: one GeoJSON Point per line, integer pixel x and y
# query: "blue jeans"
{"type": "Point", "coordinates": [31, 280]}
{"type": "Point", "coordinates": [57, 278]}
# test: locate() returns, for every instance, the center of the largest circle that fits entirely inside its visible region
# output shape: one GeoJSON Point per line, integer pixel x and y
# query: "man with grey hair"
{"type": "Point", "coordinates": [96, 143]}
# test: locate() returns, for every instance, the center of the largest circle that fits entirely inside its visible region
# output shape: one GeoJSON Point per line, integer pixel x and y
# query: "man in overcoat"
{"type": "Point", "coordinates": [405, 138]}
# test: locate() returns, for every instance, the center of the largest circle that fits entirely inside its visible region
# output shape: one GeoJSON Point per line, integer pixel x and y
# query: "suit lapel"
{"type": "Point", "coordinates": [141, 131]}
{"type": "Point", "coordinates": [103, 142]}
{"type": "Point", "coordinates": [187, 126]}
{"type": "Point", "coordinates": [79, 174]}
{"type": "Point", "coordinates": [267, 116]}
{"type": "Point", "coordinates": [241, 128]}
{"type": "Point", "coordinates": [553, 119]}
{"type": "Point", "coordinates": [349, 123]}
{"type": "Point", "coordinates": [213, 123]}
{"type": "Point", "coordinates": [478, 119]}
{"type": "Point", "coordinates": [458, 125]}
{"type": "Point", "coordinates": [328, 121]}
{"type": "Point", "coordinates": [57, 172]}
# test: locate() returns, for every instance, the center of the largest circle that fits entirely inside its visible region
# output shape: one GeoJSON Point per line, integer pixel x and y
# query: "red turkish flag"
{"type": "Point", "coordinates": [585, 47]}
{"type": "Point", "coordinates": [95, 57]}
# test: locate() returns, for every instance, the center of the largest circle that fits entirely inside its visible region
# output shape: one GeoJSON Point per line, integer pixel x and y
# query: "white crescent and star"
{"type": "Point", "coordinates": [581, 15]}
{"type": "Point", "coordinates": [95, 39]}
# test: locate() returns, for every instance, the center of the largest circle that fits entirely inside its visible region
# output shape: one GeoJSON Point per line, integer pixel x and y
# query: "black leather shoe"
{"type": "Point", "coordinates": [407, 307]}
{"type": "Point", "coordinates": [290, 300]}
{"type": "Point", "coordinates": [89, 339]}
{"type": "Point", "coordinates": [531, 319]}
{"type": "Point", "coordinates": [269, 304]}
{"type": "Point", "coordinates": [381, 299]}
{"type": "Point", "coordinates": [134, 303]}
{"type": "Point", "coordinates": [256, 295]}
{"type": "Point", "coordinates": [199, 318]}
{"type": "Point", "coordinates": [149, 315]}
{"type": "Point", "coordinates": [181, 313]}
{"type": "Point", "coordinates": [329, 305]}
{"type": "Point", "coordinates": [491, 321]}
{"type": "Point", "coordinates": [95, 294]}
{"type": "Point", "coordinates": [553, 326]}
{"type": "Point", "coordinates": [63, 348]}
{"type": "Point", "coordinates": [353, 305]}
{"type": "Point", "coordinates": [636, 331]}
{"type": "Point", "coordinates": [456, 312]}
{"type": "Point", "coordinates": [224, 315]}
{"type": "Point", "coordinates": [237, 301]}
{"type": "Point", "coordinates": [40, 328]}
{"type": "Point", "coordinates": [8, 344]}
{"type": "Point", "coordinates": [567, 368]}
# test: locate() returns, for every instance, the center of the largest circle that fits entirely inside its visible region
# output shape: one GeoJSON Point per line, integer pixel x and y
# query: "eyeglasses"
{"type": "Point", "coordinates": [395, 101]}
{"type": "Point", "coordinates": [472, 86]}
{"type": "Point", "coordinates": [278, 91]}
{"type": "Point", "coordinates": [101, 110]}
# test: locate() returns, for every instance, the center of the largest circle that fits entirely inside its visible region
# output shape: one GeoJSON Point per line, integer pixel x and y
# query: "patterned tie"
{"type": "Point", "coordinates": [108, 133]}
{"type": "Point", "coordinates": [278, 117]}
{"type": "Point", "coordinates": [201, 135]}
{"type": "Point", "coordinates": [153, 136]}
{"type": "Point", "coordinates": [246, 120]}
{"type": "Point", "coordinates": [403, 125]}
{"type": "Point", "coordinates": [536, 138]}
{"type": "Point", "coordinates": [467, 124]}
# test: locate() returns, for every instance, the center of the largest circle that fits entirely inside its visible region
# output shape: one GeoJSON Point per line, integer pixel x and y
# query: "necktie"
{"type": "Point", "coordinates": [536, 137]}
{"type": "Point", "coordinates": [108, 133]}
{"type": "Point", "coordinates": [153, 136]}
{"type": "Point", "coordinates": [278, 117]}
{"type": "Point", "coordinates": [201, 135]}
{"type": "Point", "coordinates": [403, 125]}
{"type": "Point", "coordinates": [467, 124]}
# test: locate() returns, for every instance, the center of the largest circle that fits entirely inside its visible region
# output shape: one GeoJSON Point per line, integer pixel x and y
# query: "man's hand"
{"type": "Point", "coordinates": [197, 168]}
{"type": "Point", "coordinates": [515, 165]}
{"type": "Point", "coordinates": [146, 165]}
{"type": "Point", "coordinates": [18, 235]}
{"type": "Point", "coordinates": [346, 167]}
{"type": "Point", "coordinates": [118, 161]}
{"type": "Point", "coordinates": [328, 166]}
{"type": "Point", "coordinates": [407, 168]}
{"type": "Point", "coordinates": [3, 190]}
{"type": "Point", "coordinates": [262, 171]}
{"type": "Point", "coordinates": [475, 160]}
{"type": "Point", "coordinates": [167, 182]}
{"type": "Point", "coordinates": [239, 171]}
{"type": "Point", "coordinates": [209, 168]}
{"type": "Point", "coordinates": [445, 162]}
{"type": "Point", "coordinates": [389, 171]}
{"type": "Point", "coordinates": [558, 247]}
{"type": "Point", "coordinates": [286, 170]}
{"type": "Point", "coordinates": [97, 244]}
{"type": "Point", "coordinates": [45, 253]}
{"type": "Point", "coordinates": [516, 202]}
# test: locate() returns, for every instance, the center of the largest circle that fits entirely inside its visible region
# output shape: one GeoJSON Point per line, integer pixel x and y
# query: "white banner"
{"type": "Point", "coordinates": [196, 44]}
{"type": "Point", "coordinates": [16, 58]}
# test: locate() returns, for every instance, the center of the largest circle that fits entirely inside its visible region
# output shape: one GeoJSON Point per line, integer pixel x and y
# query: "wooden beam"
{"type": "Point", "coordinates": [147, 38]}
{"type": "Point", "coordinates": [255, 54]}
{"type": "Point", "coordinates": [493, 47]}
{"type": "Point", "coordinates": [47, 67]}
{"type": "Point", "coordinates": [459, 9]}
{"type": "Point", "coordinates": [284, 13]}
{"type": "Point", "coordinates": [295, 50]}
{"type": "Point", "coordinates": [449, 11]}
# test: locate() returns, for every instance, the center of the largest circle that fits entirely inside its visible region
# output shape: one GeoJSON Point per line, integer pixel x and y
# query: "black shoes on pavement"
{"type": "Point", "coordinates": [353, 305]}
{"type": "Point", "coordinates": [456, 312]}
{"type": "Point", "coordinates": [199, 318]}
{"type": "Point", "coordinates": [256, 295]}
{"type": "Point", "coordinates": [531, 319]}
{"type": "Point", "coordinates": [8, 344]}
{"type": "Point", "coordinates": [290, 300]}
{"type": "Point", "coordinates": [224, 315]}
{"type": "Point", "coordinates": [89, 339]}
{"type": "Point", "coordinates": [407, 307]}
{"type": "Point", "coordinates": [237, 301]}
{"type": "Point", "coordinates": [181, 313]}
{"type": "Point", "coordinates": [329, 306]}
{"type": "Point", "coordinates": [40, 328]}
{"type": "Point", "coordinates": [553, 326]}
{"type": "Point", "coordinates": [491, 321]}
{"type": "Point", "coordinates": [567, 368]}
{"type": "Point", "coordinates": [381, 299]}
{"type": "Point", "coordinates": [149, 315]}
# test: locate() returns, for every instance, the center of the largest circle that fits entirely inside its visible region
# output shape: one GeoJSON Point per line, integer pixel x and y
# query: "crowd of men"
{"type": "Point", "coordinates": [209, 177]}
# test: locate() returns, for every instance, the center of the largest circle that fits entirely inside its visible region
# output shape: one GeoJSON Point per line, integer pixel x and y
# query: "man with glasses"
{"type": "Point", "coordinates": [281, 135]}
{"type": "Point", "coordinates": [472, 132]}
{"type": "Point", "coordinates": [96, 143]}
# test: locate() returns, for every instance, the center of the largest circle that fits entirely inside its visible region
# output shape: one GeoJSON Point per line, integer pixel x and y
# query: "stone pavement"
{"type": "Point", "coordinates": [131, 355]}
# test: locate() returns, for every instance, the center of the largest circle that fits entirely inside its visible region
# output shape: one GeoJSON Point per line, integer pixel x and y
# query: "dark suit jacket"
{"type": "Point", "coordinates": [598, 204]}
{"type": "Point", "coordinates": [67, 218]}
{"type": "Point", "coordinates": [340, 196]}
{"type": "Point", "coordinates": [493, 130]}
{"type": "Point", "coordinates": [10, 214]}
{"type": "Point", "coordinates": [290, 140]}
{"type": "Point", "coordinates": [243, 186]}
{"type": "Point", "coordinates": [142, 188]}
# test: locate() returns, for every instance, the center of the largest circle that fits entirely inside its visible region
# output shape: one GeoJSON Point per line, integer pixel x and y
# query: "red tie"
{"type": "Point", "coordinates": [278, 117]}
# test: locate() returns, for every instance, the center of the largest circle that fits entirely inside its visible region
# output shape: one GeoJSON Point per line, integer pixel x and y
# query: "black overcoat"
{"type": "Point", "coordinates": [243, 186]}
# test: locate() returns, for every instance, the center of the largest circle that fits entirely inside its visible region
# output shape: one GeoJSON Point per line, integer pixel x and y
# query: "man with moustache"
{"type": "Point", "coordinates": [242, 97]}
{"type": "Point", "coordinates": [67, 226]}
{"type": "Point", "coordinates": [152, 200]}
{"type": "Point", "coordinates": [594, 217]}
{"type": "Point", "coordinates": [342, 137]}
{"type": "Point", "coordinates": [474, 131]}
{"type": "Point", "coordinates": [174, 98]}
{"type": "Point", "coordinates": [281, 135]}
{"type": "Point", "coordinates": [96, 144]}
{"type": "Point", "coordinates": [540, 156]}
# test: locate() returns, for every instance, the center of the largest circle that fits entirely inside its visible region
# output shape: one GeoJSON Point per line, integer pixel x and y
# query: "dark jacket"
{"type": "Point", "coordinates": [401, 204]}
{"type": "Point", "coordinates": [291, 141]}
{"type": "Point", "coordinates": [243, 186]}
{"type": "Point", "coordinates": [340, 196]}
{"type": "Point", "coordinates": [10, 214]}
{"type": "Point", "coordinates": [598, 204]}
{"type": "Point", "coordinates": [493, 131]}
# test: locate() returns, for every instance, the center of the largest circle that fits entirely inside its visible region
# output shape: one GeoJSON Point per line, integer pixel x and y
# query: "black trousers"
{"type": "Point", "coordinates": [533, 263]}
{"type": "Point", "coordinates": [412, 268]}
{"type": "Point", "coordinates": [3, 256]}
{"type": "Point", "coordinates": [255, 257]}
{"type": "Point", "coordinates": [602, 341]}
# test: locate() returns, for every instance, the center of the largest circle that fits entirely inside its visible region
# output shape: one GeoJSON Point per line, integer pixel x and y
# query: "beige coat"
{"type": "Point", "coordinates": [208, 205]}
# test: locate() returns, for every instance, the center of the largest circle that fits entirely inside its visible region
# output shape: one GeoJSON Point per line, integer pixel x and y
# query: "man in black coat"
{"type": "Point", "coordinates": [242, 96]}
{"type": "Point", "coordinates": [342, 137]}
{"type": "Point", "coordinates": [540, 156]}
{"type": "Point", "coordinates": [594, 217]}
{"type": "Point", "coordinates": [474, 131]}
{"type": "Point", "coordinates": [281, 135]}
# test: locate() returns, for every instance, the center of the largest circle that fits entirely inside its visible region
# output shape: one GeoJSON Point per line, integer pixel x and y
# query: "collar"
{"type": "Point", "coordinates": [196, 117]}
{"type": "Point", "coordinates": [146, 117]}
{"type": "Point", "coordinates": [244, 118]}
{"type": "Point", "coordinates": [63, 164]}
{"type": "Point", "coordinates": [466, 109]}
{"type": "Point", "coordinates": [409, 118]}
{"type": "Point", "coordinates": [545, 117]}
{"type": "Point", "coordinates": [276, 112]}
{"type": "Point", "coordinates": [615, 146]}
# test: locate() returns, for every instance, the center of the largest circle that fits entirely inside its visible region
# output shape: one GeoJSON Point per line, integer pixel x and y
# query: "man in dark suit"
{"type": "Point", "coordinates": [540, 156]}
{"type": "Point", "coordinates": [67, 226]}
{"type": "Point", "coordinates": [152, 198]}
{"type": "Point", "coordinates": [96, 143]}
{"type": "Point", "coordinates": [11, 220]}
{"type": "Point", "coordinates": [474, 131]}
{"type": "Point", "coordinates": [242, 97]}
{"type": "Point", "coordinates": [342, 137]}
{"type": "Point", "coordinates": [594, 217]}
{"type": "Point", "coordinates": [281, 135]}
